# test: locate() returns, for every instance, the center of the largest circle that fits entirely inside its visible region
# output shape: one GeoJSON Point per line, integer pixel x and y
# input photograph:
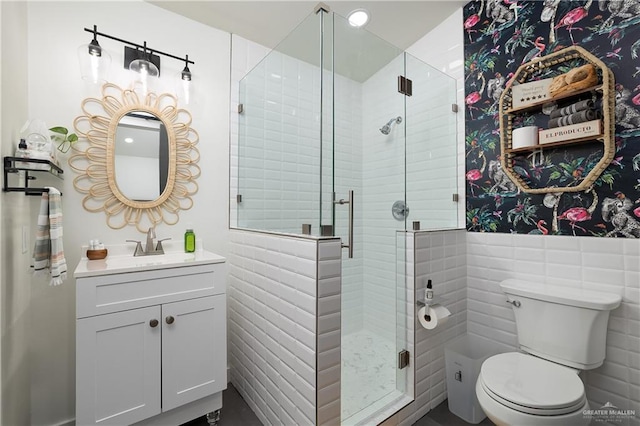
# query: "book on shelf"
{"type": "Point", "coordinates": [571, 132]}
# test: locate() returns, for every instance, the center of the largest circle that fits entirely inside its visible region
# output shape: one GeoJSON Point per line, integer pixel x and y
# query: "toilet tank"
{"type": "Point", "coordinates": [562, 324]}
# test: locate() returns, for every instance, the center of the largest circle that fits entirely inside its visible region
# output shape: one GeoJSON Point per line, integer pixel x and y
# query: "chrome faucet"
{"type": "Point", "coordinates": [149, 247]}
{"type": "Point", "coordinates": [151, 235]}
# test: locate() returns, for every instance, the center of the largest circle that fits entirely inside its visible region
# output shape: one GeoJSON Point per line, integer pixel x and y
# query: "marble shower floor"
{"type": "Point", "coordinates": [368, 372]}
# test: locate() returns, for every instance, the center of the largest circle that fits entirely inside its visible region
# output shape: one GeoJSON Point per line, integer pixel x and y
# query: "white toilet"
{"type": "Point", "coordinates": [561, 331]}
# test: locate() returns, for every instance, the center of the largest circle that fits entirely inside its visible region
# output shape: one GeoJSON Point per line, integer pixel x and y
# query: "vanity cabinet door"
{"type": "Point", "coordinates": [118, 367]}
{"type": "Point", "coordinates": [194, 350]}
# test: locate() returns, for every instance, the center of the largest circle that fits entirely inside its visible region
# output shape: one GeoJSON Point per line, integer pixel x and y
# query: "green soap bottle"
{"type": "Point", "coordinates": [189, 241]}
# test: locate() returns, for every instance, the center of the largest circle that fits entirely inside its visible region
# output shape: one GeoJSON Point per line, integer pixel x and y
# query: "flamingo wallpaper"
{"type": "Point", "coordinates": [500, 35]}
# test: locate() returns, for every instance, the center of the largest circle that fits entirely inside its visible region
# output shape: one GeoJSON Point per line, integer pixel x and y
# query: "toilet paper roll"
{"type": "Point", "coordinates": [432, 316]}
{"type": "Point", "coordinates": [524, 136]}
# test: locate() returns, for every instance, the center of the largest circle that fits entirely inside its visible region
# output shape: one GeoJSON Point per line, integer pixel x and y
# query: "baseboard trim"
{"type": "Point", "coordinates": [70, 422]}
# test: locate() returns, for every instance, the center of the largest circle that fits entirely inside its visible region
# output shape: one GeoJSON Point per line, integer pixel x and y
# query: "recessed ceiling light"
{"type": "Point", "coordinates": [128, 140]}
{"type": "Point", "coordinates": [358, 18]}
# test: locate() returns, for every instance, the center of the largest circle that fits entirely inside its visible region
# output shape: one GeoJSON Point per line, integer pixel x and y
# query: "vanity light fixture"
{"type": "Point", "coordinates": [138, 58]}
{"type": "Point", "coordinates": [128, 140]}
{"type": "Point", "coordinates": [358, 18]}
{"type": "Point", "coordinates": [94, 61]}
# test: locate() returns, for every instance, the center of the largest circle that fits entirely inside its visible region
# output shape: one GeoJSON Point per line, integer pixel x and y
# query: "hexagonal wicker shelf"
{"type": "Point", "coordinates": [508, 112]}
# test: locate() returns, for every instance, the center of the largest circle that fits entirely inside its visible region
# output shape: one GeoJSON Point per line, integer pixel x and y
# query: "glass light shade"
{"type": "Point", "coordinates": [143, 72]}
{"type": "Point", "coordinates": [144, 67]}
{"type": "Point", "coordinates": [184, 87]}
{"type": "Point", "coordinates": [94, 63]}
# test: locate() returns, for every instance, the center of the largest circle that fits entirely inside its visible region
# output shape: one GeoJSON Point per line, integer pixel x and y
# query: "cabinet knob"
{"type": "Point", "coordinates": [153, 323]}
{"type": "Point", "coordinates": [170, 319]}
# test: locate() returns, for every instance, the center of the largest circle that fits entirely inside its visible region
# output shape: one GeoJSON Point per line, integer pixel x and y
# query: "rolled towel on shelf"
{"type": "Point", "coordinates": [597, 104]}
{"type": "Point", "coordinates": [572, 109]}
{"type": "Point", "coordinates": [578, 117]}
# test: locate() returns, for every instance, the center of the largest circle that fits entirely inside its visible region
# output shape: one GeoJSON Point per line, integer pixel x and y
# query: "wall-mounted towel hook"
{"type": "Point", "coordinates": [36, 191]}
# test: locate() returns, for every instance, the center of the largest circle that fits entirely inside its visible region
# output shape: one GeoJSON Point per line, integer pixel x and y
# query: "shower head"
{"type": "Point", "coordinates": [386, 129]}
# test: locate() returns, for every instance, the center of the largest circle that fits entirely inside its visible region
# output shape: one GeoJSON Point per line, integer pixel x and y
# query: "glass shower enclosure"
{"type": "Point", "coordinates": [341, 133]}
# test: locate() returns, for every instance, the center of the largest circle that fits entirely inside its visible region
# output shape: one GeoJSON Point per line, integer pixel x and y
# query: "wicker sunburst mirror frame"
{"type": "Point", "coordinates": [94, 158]}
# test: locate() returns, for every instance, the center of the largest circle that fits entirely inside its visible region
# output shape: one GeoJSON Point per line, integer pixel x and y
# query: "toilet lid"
{"type": "Point", "coordinates": [531, 384]}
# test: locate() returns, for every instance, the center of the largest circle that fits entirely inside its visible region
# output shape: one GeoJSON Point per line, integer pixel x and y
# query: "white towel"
{"type": "Point", "coordinates": [48, 251]}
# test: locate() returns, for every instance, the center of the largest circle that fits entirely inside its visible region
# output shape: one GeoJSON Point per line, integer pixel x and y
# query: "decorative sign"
{"type": "Point", "coordinates": [530, 93]}
{"type": "Point", "coordinates": [567, 133]}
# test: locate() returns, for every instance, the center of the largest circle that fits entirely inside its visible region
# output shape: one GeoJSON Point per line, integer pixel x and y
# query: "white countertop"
{"type": "Point", "coordinates": [120, 260]}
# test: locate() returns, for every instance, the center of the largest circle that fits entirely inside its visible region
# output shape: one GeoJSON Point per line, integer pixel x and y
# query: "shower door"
{"type": "Point", "coordinates": [431, 147]}
{"type": "Point", "coordinates": [365, 130]}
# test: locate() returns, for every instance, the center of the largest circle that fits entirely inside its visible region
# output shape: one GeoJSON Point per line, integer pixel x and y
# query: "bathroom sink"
{"type": "Point", "coordinates": [123, 263]}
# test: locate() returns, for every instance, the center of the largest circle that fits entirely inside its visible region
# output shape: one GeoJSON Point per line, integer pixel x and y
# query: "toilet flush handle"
{"type": "Point", "coordinates": [515, 303]}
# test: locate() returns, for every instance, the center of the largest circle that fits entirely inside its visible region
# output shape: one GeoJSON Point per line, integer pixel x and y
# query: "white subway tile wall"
{"type": "Point", "coordinates": [272, 325]}
{"type": "Point", "coordinates": [284, 326]}
{"type": "Point", "coordinates": [329, 335]}
{"type": "Point", "coordinates": [609, 265]}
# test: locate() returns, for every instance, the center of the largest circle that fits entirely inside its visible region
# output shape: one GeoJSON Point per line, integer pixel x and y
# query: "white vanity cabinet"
{"type": "Point", "coordinates": [150, 340]}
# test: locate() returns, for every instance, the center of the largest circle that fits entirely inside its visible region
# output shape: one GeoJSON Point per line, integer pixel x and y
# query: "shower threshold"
{"type": "Point", "coordinates": [379, 411]}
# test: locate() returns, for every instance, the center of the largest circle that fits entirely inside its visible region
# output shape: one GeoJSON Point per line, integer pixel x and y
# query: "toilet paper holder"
{"type": "Point", "coordinates": [430, 302]}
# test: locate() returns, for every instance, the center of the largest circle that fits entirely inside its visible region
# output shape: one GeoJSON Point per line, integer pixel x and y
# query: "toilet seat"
{"type": "Point", "coordinates": [532, 385]}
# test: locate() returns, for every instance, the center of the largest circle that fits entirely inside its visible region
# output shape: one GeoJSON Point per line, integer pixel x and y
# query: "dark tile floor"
{"type": "Point", "coordinates": [441, 416]}
{"type": "Point", "coordinates": [236, 412]}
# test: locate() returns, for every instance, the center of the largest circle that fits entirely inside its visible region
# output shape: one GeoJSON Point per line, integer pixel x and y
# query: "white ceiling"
{"type": "Point", "coordinates": [400, 23]}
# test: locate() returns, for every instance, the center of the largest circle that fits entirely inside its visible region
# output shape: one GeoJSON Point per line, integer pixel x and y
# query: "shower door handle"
{"type": "Point", "coordinates": [350, 202]}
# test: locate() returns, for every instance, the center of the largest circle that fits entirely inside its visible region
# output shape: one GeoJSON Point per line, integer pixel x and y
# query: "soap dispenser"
{"type": "Point", "coordinates": [189, 241]}
{"type": "Point", "coordinates": [428, 294]}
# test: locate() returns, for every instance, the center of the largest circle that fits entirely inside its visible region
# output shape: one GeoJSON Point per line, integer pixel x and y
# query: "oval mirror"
{"type": "Point", "coordinates": [141, 160]}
